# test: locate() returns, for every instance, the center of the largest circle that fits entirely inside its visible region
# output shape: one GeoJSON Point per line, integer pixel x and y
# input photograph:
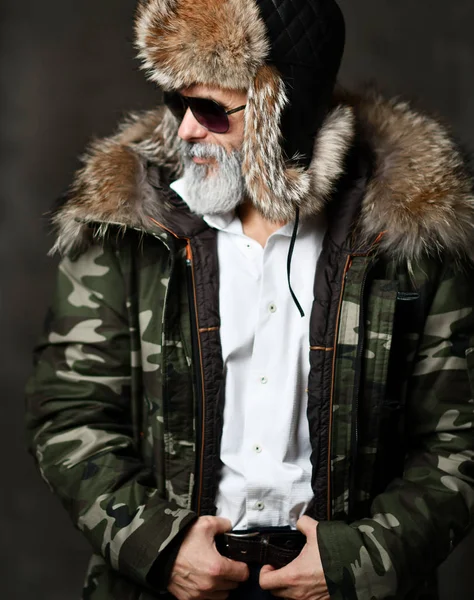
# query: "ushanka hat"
{"type": "Point", "coordinates": [284, 53]}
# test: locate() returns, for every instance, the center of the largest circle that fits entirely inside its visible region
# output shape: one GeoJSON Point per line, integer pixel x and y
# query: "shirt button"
{"type": "Point", "coordinates": [258, 448]}
{"type": "Point", "coordinates": [272, 308]}
{"type": "Point", "coordinates": [259, 505]}
{"type": "Point", "coordinates": [263, 380]}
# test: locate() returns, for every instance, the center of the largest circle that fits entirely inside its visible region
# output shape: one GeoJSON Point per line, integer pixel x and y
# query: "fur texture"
{"type": "Point", "coordinates": [420, 193]}
{"type": "Point", "coordinates": [184, 42]}
{"type": "Point", "coordinates": [112, 186]}
{"type": "Point", "coordinates": [274, 186]}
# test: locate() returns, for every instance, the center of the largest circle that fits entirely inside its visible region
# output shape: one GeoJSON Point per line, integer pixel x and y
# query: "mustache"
{"type": "Point", "coordinates": [201, 150]}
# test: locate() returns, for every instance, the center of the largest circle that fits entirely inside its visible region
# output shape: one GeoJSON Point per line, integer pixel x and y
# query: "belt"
{"type": "Point", "coordinates": [261, 547]}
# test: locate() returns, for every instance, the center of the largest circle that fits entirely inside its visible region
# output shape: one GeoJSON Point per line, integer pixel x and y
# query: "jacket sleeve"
{"type": "Point", "coordinates": [80, 422]}
{"type": "Point", "coordinates": [421, 516]}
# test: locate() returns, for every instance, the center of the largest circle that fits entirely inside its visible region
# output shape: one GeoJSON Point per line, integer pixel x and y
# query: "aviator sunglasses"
{"type": "Point", "coordinates": [208, 113]}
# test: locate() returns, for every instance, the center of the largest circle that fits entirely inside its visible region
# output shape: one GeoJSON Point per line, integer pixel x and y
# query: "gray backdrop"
{"type": "Point", "coordinates": [67, 73]}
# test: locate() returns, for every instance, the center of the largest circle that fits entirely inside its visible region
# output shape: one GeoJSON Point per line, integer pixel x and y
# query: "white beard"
{"type": "Point", "coordinates": [215, 190]}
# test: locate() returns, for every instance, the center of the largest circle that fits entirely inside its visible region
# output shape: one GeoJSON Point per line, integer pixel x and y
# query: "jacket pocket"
{"type": "Point", "coordinates": [361, 365]}
{"type": "Point", "coordinates": [378, 335]}
{"type": "Point", "coordinates": [386, 392]}
{"type": "Point", "coordinates": [374, 395]}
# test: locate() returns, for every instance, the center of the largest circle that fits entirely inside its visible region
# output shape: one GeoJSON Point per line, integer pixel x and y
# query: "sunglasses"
{"type": "Point", "coordinates": [208, 113]}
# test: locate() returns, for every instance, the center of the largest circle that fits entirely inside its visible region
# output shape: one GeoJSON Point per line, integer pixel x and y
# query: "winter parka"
{"type": "Point", "coordinates": [125, 406]}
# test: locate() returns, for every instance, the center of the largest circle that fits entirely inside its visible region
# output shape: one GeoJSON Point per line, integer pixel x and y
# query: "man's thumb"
{"type": "Point", "coordinates": [267, 569]}
{"type": "Point", "coordinates": [221, 525]}
{"type": "Point", "coordinates": [307, 526]}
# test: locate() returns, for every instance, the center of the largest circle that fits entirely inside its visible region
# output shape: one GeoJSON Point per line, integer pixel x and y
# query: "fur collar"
{"type": "Point", "coordinates": [420, 193]}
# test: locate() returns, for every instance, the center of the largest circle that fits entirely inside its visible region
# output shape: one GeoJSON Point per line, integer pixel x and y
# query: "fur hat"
{"type": "Point", "coordinates": [284, 53]}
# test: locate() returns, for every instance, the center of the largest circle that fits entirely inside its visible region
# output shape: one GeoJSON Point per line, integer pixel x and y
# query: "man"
{"type": "Point", "coordinates": [257, 375]}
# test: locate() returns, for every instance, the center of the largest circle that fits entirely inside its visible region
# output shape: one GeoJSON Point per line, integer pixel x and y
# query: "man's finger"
{"type": "Point", "coordinates": [234, 571]}
{"type": "Point", "coordinates": [267, 569]}
{"type": "Point", "coordinates": [272, 580]}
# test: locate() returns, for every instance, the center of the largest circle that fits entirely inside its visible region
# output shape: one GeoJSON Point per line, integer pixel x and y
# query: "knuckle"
{"type": "Point", "coordinates": [215, 569]}
{"type": "Point", "coordinates": [293, 579]}
{"type": "Point", "coordinates": [205, 523]}
{"type": "Point", "coordinates": [207, 586]}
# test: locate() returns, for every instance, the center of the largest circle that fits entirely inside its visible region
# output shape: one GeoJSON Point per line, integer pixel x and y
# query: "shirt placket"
{"type": "Point", "coordinates": [262, 507]}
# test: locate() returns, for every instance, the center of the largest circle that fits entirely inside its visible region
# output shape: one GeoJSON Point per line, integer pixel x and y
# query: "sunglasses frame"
{"type": "Point", "coordinates": [187, 103]}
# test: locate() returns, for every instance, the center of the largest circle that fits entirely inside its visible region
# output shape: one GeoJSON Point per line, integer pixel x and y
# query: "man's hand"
{"type": "Point", "coordinates": [200, 572]}
{"type": "Point", "coordinates": [303, 578]}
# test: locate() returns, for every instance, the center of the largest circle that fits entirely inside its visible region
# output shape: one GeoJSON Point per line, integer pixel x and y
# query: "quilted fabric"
{"type": "Point", "coordinates": [307, 42]}
{"type": "Point", "coordinates": [301, 30]}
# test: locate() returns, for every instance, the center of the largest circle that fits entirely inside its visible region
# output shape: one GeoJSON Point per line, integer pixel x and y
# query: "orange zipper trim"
{"type": "Point", "coordinates": [321, 348]}
{"type": "Point", "coordinates": [168, 230]}
{"type": "Point", "coordinates": [189, 256]}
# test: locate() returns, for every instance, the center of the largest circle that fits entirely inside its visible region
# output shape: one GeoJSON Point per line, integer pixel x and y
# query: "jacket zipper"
{"type": "Point", "coordinates": [163, 329]}
{"type": "Point", "coordinates": [198, 370]}
{"type": "Point", "coordinates": [198, 376]}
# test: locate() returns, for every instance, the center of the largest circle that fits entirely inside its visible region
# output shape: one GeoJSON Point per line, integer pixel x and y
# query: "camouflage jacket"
{"type": "Point", "coordinates": [125, 405]}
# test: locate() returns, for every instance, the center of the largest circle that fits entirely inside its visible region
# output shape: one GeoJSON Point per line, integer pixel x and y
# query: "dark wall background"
{"type": "Point", "coordinates": [66, 74]}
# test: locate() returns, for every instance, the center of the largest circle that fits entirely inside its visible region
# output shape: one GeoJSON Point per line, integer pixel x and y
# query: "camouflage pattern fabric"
{"type": "Point", "coordinates": [120, 460]}
{"type": "Point", "coordinates": [111, 417]}
{"type": "Point", "coordinates": [425, 511]}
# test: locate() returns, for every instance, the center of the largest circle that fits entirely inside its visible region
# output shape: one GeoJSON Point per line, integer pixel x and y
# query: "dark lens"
{"type": "Point", "coordinates": [176, 104]}
{"type": "Point", "coordinates": [209, 114]}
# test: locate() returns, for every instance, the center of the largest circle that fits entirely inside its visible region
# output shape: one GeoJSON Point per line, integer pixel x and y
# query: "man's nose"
{"type": "Point", "coordinates": [190, 130]}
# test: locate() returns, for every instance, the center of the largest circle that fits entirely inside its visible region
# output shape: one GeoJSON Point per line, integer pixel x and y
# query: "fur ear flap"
{"type": "Point", "coordinates": [274, 187]}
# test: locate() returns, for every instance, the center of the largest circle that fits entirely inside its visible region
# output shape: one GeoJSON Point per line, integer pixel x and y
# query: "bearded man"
{"type": "Point", "coordinates": [257, 376]}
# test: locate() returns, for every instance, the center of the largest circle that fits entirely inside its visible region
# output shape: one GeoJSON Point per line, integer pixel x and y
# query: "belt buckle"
{"type": "Point", "coordinates": [243, 536]}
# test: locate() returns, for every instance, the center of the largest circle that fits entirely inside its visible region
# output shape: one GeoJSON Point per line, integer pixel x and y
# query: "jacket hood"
{"type": "Point", "coordinates": [419, 195]}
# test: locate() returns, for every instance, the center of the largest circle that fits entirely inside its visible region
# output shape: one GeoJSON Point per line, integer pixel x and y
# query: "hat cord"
{"type": "Point", "coordinates": [290, 256]}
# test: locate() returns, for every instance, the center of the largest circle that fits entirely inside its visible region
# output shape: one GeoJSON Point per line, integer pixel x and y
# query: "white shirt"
{"type": "Point", "coordinates": [265, 449]}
